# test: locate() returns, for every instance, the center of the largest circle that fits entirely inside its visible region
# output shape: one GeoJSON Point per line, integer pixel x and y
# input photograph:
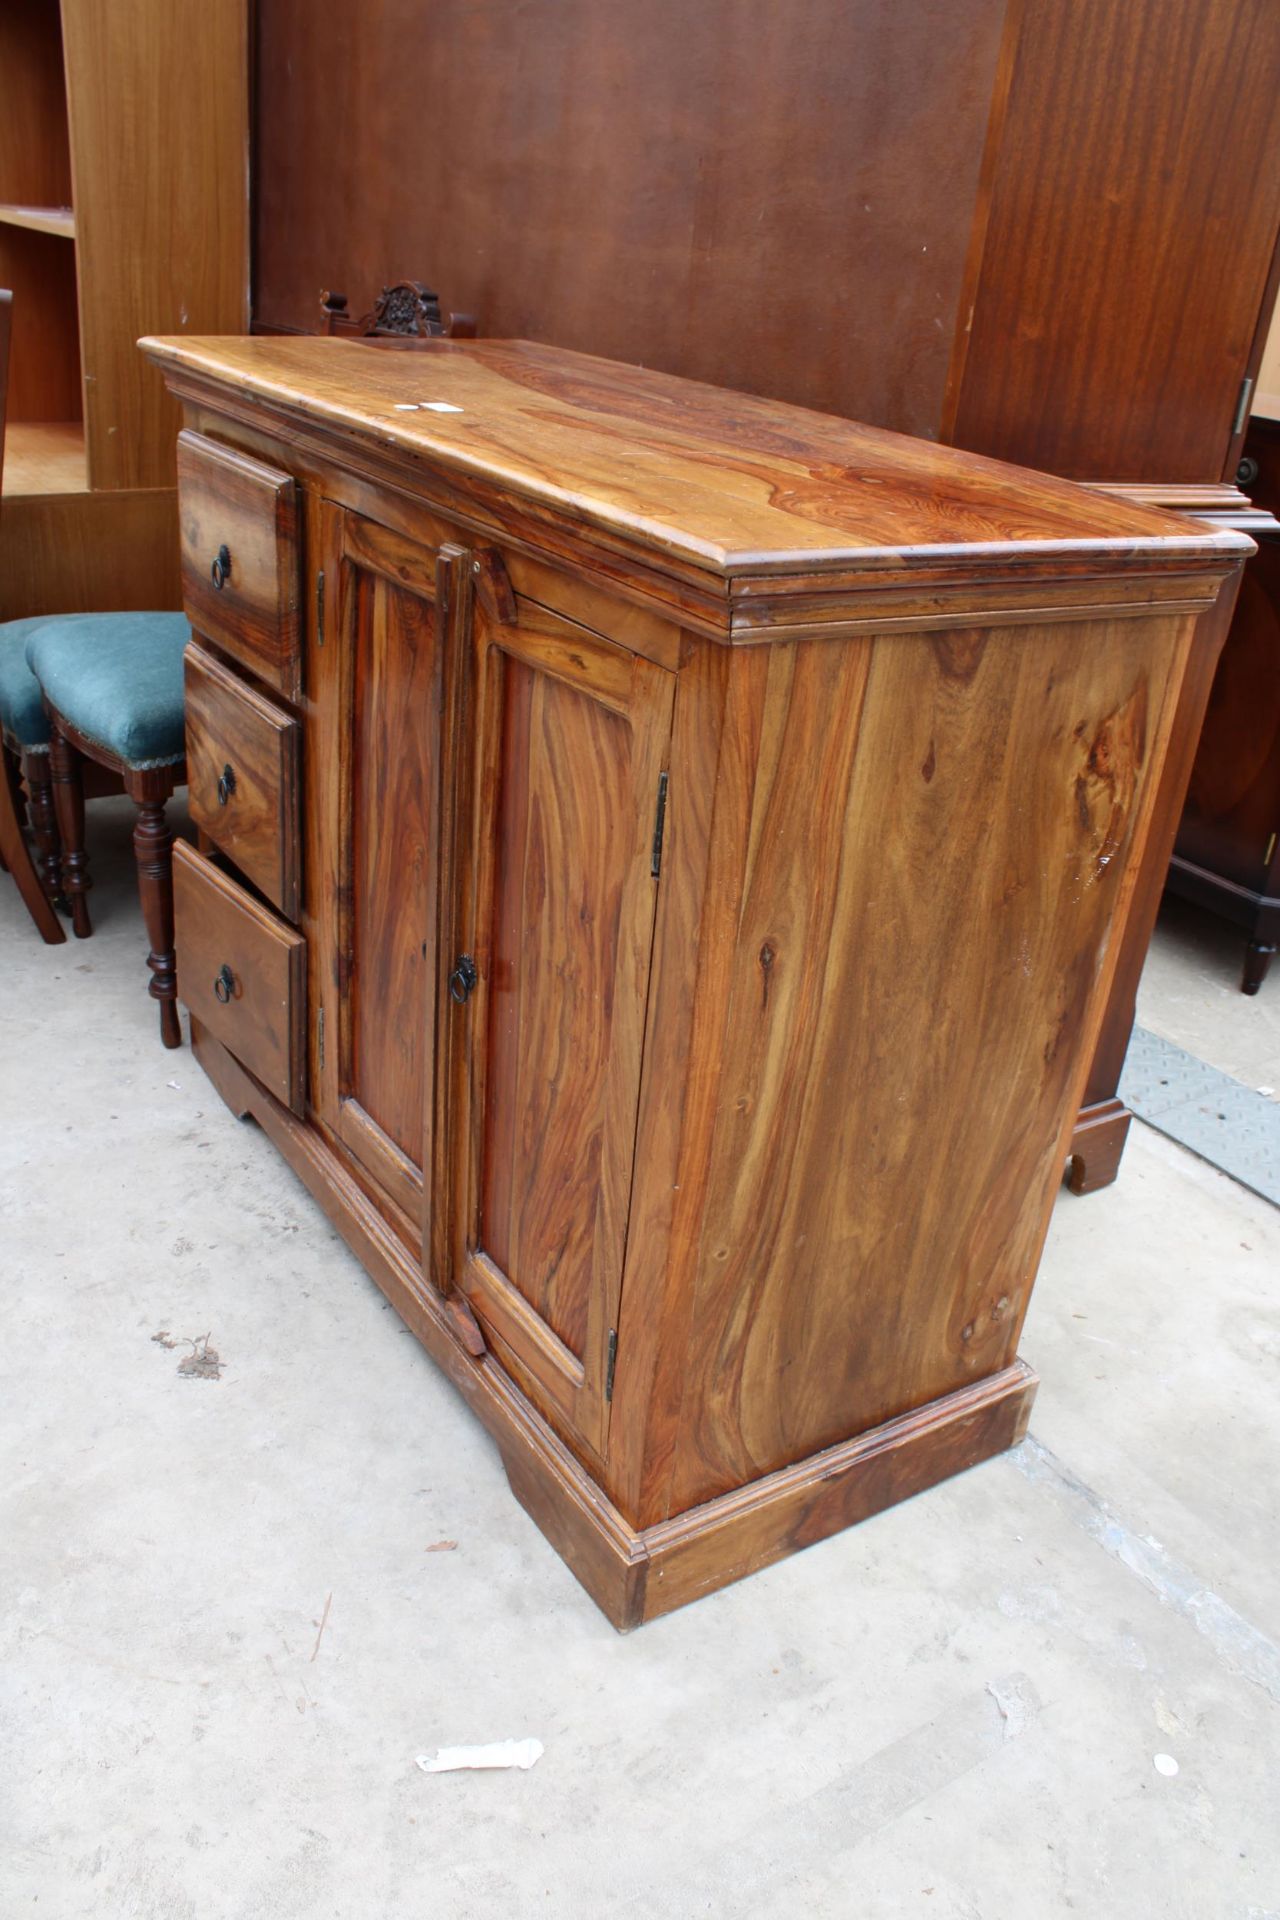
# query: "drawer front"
{"type": "Point", "coordinates": [242, 772]}
{"type": "Point", "coordinates": [241, 972]}
{"type": "Point", "coordinates": [240, 558]}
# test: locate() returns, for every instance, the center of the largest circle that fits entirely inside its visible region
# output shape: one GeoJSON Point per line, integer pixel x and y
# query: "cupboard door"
{"type": "Point", "coordinates": [392, 604]}
{"type": "Point", "coordinates": [552, 970]}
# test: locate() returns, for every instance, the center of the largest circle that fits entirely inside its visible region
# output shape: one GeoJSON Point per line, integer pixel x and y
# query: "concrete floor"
{"type": "Point", "coordinates": [224, 1634]}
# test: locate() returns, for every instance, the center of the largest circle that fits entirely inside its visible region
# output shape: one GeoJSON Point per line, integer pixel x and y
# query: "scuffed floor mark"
{"type": "Point", "coordinates": [753, 1870]}
{"type": "Point", "coordinates": [202, 1363]}
{"type": "Point", "coordinates": [1240, 1646]}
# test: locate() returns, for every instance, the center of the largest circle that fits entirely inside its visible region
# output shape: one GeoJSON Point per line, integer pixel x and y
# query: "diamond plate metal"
{"type": "Point", "coordinates": [1226, 1123]}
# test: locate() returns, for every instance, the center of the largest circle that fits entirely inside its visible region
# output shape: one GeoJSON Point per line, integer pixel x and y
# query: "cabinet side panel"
{"type": "Point", "coordinates": [922, 931]}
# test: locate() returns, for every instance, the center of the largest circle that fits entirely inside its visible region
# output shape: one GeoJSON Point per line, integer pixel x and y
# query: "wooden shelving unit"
{"type": "Point", "coordinates": [59, 220]}
{"type": "Point", "coordinates": [123, 211]}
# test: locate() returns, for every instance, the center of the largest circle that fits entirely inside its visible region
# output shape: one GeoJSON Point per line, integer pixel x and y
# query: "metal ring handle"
{"type": "Point", "coordinates": [224, 985]}
{"type": "Point", "coordinates": [220, 571]}
{"type": "Point", "coordinates": [226, 784]}
{"type": "Point", "coordinates": [462, 981]}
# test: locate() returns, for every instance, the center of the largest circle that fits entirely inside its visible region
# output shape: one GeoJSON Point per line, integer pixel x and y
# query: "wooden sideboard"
{"type": "Point", "coordinates": [573, 749]}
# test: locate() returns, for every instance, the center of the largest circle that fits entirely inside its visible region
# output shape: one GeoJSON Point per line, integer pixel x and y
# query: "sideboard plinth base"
{"type": "Point", "coordinates": [634, 1574]}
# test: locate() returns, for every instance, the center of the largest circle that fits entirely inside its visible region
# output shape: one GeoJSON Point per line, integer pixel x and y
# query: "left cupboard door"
{"type": "Point", "coordinates": [382, 644]}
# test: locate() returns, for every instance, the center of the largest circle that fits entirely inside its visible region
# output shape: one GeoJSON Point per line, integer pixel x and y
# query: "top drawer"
{"type": "Point", "coordinates": [240, 561]}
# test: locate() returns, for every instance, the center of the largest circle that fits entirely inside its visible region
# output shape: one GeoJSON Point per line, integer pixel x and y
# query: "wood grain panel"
{"type": "Point", "coordinates": [902, 1034]}
{"type": "Point", "coordinates": [45, 456]}
{"type": "Point", "coordinates": [162, 211]}
{"type": "Point", "coordinates": [1126, 253]}
{"type": "Point", "coordinates": [263, 1021]}
{"type": "Point", "coordinates": [699, 486]}
{"type": "Point", "coordinates": [228, 501]}
{"type": "Point", "coordinates": [395, 718]}
{"type": "Point", "coordinates": [252, 815]}
{"type": "Point", "coordinates": [89, 553]}
{"type": "Point", "coordinates": [573, 731]}
{"type": "Point", "coordinates": [697, 188]}
{"type": "Point", "coordinates": [35, 156]}
{"type": "Point", "coordinates": [44, 372]}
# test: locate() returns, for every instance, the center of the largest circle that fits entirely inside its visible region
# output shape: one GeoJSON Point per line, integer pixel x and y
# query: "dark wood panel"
{"type": "Point", "coordinates": [1126, 248]}
{"type": "Point", "coordinates": [1231, 820]}
{"type": "Point", "coordinates": [238, 524]}
{"type": "Point", "coordinates": [35, 154]}
{"type": "Point", "coordinates": [770, 197]}
{"type": "Point", "coordinates": [242, 777]}
{"type": "Point", "coordinates": [44, 369]}
{"type": "Point", "coordinates": [1227, 855]}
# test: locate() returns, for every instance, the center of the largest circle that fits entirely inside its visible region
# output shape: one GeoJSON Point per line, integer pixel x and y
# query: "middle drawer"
{"type": "Point", "coordinates": [242, 769]}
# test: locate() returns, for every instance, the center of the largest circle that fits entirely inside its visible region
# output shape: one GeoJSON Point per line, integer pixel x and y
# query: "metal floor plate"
{"type": "Point", "coordinates": [1217, 1117]}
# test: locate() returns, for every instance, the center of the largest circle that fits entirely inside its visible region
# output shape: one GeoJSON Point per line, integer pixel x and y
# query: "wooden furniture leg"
{"type": "Point", "coordinates": [1257, 959]}
{"type": "Point", "coordinates": [153, 851]}
{"type": "Point", "coordinates": [37, 778]}
{"type": "Point", "coordinates": [16, 857]}
{"type": "Point", "coordinates": [67, 768]}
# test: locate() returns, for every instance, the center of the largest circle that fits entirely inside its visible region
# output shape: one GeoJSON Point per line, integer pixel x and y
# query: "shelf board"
{"type": "Point", "coordinates": [59, 220]}
{"type": "Point", "coordinates": [45, 456]}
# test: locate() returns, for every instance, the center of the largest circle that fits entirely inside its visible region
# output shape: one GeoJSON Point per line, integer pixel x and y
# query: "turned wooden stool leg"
{"type": "Point", "coordinates": [38, 778]}
{"type": "Point", "coordinates": [67, 769]}
{"type": "Point", "coordinates": [153, 851]}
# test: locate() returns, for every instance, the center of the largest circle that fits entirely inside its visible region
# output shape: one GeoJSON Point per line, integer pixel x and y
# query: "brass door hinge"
{"type": "Point", "coordinates": [319, 609]}
{"type": "Point", "coordinates": [611, 1363]}
{"type": "Point", "coordinates": [320, 1038]}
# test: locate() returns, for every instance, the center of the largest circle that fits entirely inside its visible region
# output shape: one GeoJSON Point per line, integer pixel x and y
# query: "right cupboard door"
{"type": "Point", "coordinates": [554, 940]}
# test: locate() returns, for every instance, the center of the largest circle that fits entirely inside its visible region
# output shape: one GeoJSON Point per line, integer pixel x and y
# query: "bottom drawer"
{"type": "Point", "coordinates": [241, 972]}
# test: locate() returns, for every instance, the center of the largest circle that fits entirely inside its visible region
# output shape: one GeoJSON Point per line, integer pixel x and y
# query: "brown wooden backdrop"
{"type": "Point", "coordinates": [769, 194]}
{"type": "Point", "coordinates": [1042, 228]}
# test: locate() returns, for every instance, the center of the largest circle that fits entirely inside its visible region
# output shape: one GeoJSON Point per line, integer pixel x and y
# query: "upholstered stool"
{"type": "Point", "coordinates": [24, 731]}
{"type": "Point", "coordinates": [112, 687]}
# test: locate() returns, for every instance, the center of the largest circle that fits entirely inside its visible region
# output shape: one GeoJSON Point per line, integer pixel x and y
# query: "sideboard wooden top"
{"type": "Point", "coordinates": [720, 486]}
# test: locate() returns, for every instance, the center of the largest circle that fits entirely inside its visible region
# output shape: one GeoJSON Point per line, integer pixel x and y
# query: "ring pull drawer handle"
{"type": "Point", "coordinates": [220, 571]}
{"type": "Point", "coordinates": [462, 980]}
{"type": "Point", "coordinates": [226, 784]}
{"type": "Point", "coordinates": [224, 985]}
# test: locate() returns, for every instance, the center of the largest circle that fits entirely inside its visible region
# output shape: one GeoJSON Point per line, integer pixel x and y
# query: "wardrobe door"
{"type": "Point", "coordinates": [559, 870]}
{"type": "Point", "coordinates": [389, 614]}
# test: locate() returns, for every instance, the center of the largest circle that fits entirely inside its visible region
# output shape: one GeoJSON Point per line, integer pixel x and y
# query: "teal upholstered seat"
{"type": "Point", "coordinates": [23, 721]}
{"type": "Point", "coordinates": [117, 679]}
